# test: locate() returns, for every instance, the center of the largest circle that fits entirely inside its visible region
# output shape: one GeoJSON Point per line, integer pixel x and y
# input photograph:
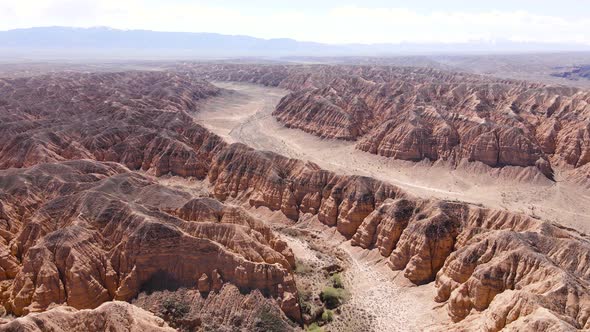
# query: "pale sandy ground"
{"type": "Point", "coordinates": [244, 115]}
{"type": "Point", "coordinates": [381, 299]}
{"type": "Point", "coordinates": [391, 301]}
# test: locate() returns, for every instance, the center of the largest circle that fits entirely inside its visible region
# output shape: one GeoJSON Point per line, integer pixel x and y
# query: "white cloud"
{"type": "Point", "coordinates": [337, 25]}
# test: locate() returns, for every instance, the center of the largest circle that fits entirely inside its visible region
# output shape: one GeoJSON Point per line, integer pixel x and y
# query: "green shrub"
{"type": "Point", "coordinates": [333, 297]}
{"type": "Point", "coordinates": [306, 307]}
{"type": "Point", "coordinates": [314, 328]}
{"type": "Point", "coordinates": [305, 299]}
{"type": "Point", "coordinates": [328, 316]}
{"type": "Point", "coordinates": [337, 281]}
{"type": "Point", "coordinates": [175, 309]}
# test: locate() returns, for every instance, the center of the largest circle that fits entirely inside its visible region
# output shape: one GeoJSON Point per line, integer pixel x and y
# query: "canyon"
{"type": "Point", "coordinates": [417, 114]}
{"type": "Point", "coordinates": [178, 194]}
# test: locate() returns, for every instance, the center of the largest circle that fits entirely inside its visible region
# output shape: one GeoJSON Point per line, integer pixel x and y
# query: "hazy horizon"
{"type": "Point", "coordinates": [327, 22]}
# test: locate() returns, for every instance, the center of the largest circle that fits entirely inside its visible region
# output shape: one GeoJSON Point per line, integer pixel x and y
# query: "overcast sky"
{"type": "Point", "coordinates": [332, 21]}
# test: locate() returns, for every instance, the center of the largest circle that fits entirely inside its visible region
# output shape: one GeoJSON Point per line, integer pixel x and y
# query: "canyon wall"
{"type": "Point", "coordinates": [505, 267]}
{"type": "Point", "coordinates": [420, 113]}
{"type": "Point", "coordinates": [83, 221]}
{"type": "Point", "coordinates": [88, 231]}
{"type": "Point", "coordinates": [85, 232]}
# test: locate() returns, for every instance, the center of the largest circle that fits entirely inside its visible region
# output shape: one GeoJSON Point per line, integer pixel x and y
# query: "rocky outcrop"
{"type": "Point", "coordinates": [295, 187]}
{"type": "Point", "coordinates": [85, 232]}
{"type": "Point", "coordinates": [473, 254]}
{"type": "Point", "coordinates": [493, 123]}
{"type": "Point", "coordinates": [111, 316]}
{"type": "Point", "coordinates": [418, 113]}
{"type": "Point", "coordinates": [138, 119]}
{"type": "Point", "coordinates": [504, 265]}
{"type": "Point", "coordinates": [225, 310]}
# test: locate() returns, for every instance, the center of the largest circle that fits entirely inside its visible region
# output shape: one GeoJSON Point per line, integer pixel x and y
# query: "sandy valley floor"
{"type": "Point", "coordinates": [243, 114]}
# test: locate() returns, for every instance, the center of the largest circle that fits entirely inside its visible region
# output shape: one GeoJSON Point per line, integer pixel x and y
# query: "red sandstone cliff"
{"type": "Point", "coordinates": [84, 232]}
{"type": "Point", "coordinates": [418, 113]}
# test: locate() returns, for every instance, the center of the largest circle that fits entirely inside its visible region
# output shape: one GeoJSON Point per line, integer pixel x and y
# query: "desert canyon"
{"type": "Point", "coordinates": [215, 196]}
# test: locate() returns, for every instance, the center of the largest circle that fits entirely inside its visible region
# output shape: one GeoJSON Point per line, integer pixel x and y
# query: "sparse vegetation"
{"type": "Point", "coordinates": [270, 321]}
{"type": "Point", "coordinates": [333, 297]}
{"type": "Point", "coordinates": [292, 232]}
{"type": "Point", "coordinates": [305, 297]}
{"type": "Point", "coordinates": [314, 328]}
{"type": "Point", "coordinates": [174, 311]}
{"type": "Point", "coordinates": [302, 267]}
{"type": "Point", "coordinates": [337, 280]}
{"type": "Point", "coordinates": [328, 316]}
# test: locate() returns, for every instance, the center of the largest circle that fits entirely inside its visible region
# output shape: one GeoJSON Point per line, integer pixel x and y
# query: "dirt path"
{"type": "Point", "coordinates": [380, 299]}
{"type": "Point", "coordinates": [243, 114]}
{"type": "Point", "coordinates": [388, 304]}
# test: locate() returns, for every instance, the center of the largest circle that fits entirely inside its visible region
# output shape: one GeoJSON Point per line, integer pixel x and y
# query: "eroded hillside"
{"type": "Point", "coordinates": [86, 218]}
{"type": "Point", "coordinates": [416, 113]}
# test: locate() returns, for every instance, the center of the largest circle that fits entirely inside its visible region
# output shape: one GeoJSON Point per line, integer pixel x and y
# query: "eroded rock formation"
{"type": "Point", "coordinates": [227, 309]}
{"type": "Point", "coordinates": [418, 113]}
{"type": "Point", "coordinates": [84, 232]}
{"type": "Point", "coordinates": [137, 119]}
{"type": "Point", "coordinates": [111, 316]}
{"type": "Point", "coordinates": [475, 255]}
{"type": "Point", "coordinates": [88, 231]}
{"type": "Point", "coordinates": [91, 230]}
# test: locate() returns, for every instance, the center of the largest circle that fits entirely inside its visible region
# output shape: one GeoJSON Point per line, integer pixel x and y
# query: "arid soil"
{"type": "Point", "coordinates": [426, 114]}
{"type": "Point", "coordinates": [379, 298]}
{"type": "Point", "coordinates": [449, 225]}
{"type": "Point", "coordinates": [242, 113]}
{"type": "Point", "coordinates": [138, 186]}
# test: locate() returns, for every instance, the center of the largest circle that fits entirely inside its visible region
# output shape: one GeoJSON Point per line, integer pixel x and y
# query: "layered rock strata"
{"type": "Point", "coordinates": [84, 232]}
{"type": "Point", "coordinates": [111, 316]}
{"type": "Point", "coordinates": [138, 119]}
{"type": "Point", "coordinates": [498, 265]}
{"type": "Point", "coordinates": [418, 113]}
{"type": "Point", "coordinates": [89, 230]}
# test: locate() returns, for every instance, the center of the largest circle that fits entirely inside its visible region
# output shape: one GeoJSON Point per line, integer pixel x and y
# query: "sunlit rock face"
{"type": "Point", "coordinates": [481, 260]}
{"type": "Point", "coordinates": [86, 232]}
{"type": "Point", "coordinates": [101, 227]}
{"type": "Point", "coordinates": [81, 227]}
{"type": "Point", "coordinates": [111, 316]}
{"type": "Point", "coordinates": [418, 113]}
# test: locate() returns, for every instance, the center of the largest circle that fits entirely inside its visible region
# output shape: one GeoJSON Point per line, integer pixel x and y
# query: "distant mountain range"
{"type": "Point", "coordinates": [106, 42]}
